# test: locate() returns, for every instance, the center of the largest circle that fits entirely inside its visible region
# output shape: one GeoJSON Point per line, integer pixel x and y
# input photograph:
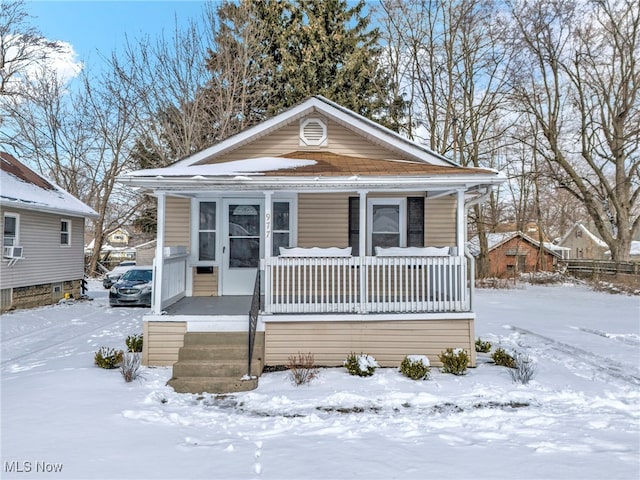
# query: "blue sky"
{"type": "Point", "coordinates": [101, 26]}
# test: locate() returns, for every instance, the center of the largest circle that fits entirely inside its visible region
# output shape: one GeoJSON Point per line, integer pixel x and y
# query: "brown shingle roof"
{"type": "Point", "coordinates": [333, 165]}
{"type": "Point", "coordinates": [11, 165]}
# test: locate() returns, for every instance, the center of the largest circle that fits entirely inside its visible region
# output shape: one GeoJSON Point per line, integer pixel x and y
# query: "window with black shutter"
{"type": "Point", "coordinates": [415, 221]}
{"type": "Point", "coordinates": [354, 225]}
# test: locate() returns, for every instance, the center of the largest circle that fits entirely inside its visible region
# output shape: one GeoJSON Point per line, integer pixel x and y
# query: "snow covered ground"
{"type": "Point", "coordinates": [579, 418]}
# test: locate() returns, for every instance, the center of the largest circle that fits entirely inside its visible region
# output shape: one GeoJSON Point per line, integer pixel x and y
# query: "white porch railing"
{"type": "Point", "coordinates": [174, 278]}
{"type": "Point", "coordinates": [366, 284]}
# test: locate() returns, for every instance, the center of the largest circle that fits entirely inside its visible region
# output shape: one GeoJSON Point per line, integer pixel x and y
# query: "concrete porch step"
{"type": "Point", "coordinates": [200, 368]}
{"type": "Point", "coordinates": [221, 338]}
{"type": "Point", "coordinates": [215, 363]}
{"type": "Point", "coordinates": [216, 352]}
{"type": "Point", "coordinates": [212, 384]}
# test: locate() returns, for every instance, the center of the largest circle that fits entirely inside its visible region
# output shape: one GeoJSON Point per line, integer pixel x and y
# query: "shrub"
{"type": "Point", "coordinates": [302, 368]}
{"type": "Point", "coordinates": [362, 365]}
{"type": "Point", "coordinates": [416, 367]}
{"type": "Point", "coordinates": [134, 343]}
{"type": "Point", "coordinates": [482, 346]}
{"type": "Point", "coordinates": [502, 358]}
{"type": "Point", "coordinates": [108, 358]}
{"type": "Point", "coordinates": [524, 370]}
{"type": "Point", "coordinates": [454, 360]}
{"type": "Point", "coordinates": [130, 366]}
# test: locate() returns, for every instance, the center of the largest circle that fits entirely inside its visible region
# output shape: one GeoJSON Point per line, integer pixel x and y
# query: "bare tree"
{"type": "Point", "coordinates": [22, 47]}
{"type": "Point", "coordinates": [80, 139]}
{"type": "Point", "coordinates": [454, 74]}
{"type": "Point", "coordinates": [579, 81]}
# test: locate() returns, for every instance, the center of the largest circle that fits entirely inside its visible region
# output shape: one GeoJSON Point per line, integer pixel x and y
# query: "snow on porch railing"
{"type": "Point", "coordinates": [366, 284]}
{"type": "Point", "coordinates": [174, 278]}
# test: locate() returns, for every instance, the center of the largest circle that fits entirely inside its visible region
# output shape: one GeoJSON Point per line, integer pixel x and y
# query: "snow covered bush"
{"type": "Point", "coordinates": [130, 366]}
{"type": "Point", "coordinates": [362, 365]}
{"type": "Point", "coordinates": [482, 346]}
{"type": "Point", "coordinates": [108, 358]}
{"type": "Point", "coordinates": [302, 368]}
{"type": "Point", "coordinates": [502, 358]}
{"type": "Point", "coordinates": [454, 360]}
{"type": "Point", "coordinates": [416, 367]}
{"type": "Point", "coordinates": [134, 343]}
{"type": "Point", "coordinates": [525, 369]}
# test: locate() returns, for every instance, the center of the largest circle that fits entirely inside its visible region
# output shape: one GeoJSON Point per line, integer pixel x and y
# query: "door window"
{"type": "Point", "coordinates": [244, 236]}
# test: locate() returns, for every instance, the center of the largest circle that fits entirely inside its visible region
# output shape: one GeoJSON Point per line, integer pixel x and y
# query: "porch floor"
{"type": "Point", "coordinates": [226, 305]}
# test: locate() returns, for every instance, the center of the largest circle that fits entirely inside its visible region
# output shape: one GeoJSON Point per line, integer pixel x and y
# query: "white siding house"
{"type": "Point", "coordinates": [42, 238]}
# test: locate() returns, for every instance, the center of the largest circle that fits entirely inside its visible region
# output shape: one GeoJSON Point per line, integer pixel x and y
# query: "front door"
{"type": "Point", "coordinates": [242, 245]}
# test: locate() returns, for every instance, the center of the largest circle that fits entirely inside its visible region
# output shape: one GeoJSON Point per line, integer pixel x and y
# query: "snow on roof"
{"type": "Point", "coordinates": [248, 167]}
{"type": "Point", "coordinates": [496, 239]}
{"type": "Point", "coordinates": [24, 188]}
{"type": "Point", "coordinates": [593, 237]}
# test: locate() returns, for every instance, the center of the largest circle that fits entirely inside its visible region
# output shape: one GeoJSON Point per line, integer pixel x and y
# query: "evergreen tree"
{"type": "Point", "coordinates": [303, 48]}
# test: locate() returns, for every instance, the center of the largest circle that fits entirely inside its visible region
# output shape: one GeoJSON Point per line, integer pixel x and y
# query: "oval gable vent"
{"type": "Point", "coordinates": [313, 131]}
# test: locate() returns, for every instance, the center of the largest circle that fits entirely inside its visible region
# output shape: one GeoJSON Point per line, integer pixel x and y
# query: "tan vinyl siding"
{"type": "Point", "coordinates": [341, 141]}
{"type": "Point", "coordinates": [323, 220]}
{"type": "Point", "coordinates": [440, 221]}
{"type": "Point", "coordinates": [388, 341]}
{"type": "Point", "coordinates": [205, 284]}
{"type": "Point", "coordinates": [162, 341]}
{"type": "Point", "coordinates": [177, 226]}
{"type": "Point", "coordinates": [45, 259]}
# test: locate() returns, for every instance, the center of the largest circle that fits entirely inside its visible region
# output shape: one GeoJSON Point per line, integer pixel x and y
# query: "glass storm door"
{"type": "Point", "coordinates": [242, 246]}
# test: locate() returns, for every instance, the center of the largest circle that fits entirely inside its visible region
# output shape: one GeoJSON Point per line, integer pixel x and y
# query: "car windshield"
{"type": "Point", "coordinates": [137, 276]}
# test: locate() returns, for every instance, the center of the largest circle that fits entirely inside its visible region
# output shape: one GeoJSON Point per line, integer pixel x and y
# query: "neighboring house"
{"type": "Point", "coordinates": [583, 243]}
{"type": "Point", "coordinates": [511, 253]}
{"type": "Point", "coordinates": [43, 233]}
{"type": "Point", "coordinates": [118, 238]}
{"type": "Point", "coordinates": [341, 217]}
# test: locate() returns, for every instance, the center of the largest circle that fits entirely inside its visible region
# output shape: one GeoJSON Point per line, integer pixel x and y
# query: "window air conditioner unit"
{"type": "Point", "coordinates": [12, 252]}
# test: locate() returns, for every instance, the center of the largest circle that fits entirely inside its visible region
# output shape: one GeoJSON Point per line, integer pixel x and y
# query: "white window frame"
{"type": "Point", "coordinates": [402, 223]}
{"type": "Point", "coordinates": [68, 232]}
{"type": "Point", "coordinates": [195, 237]}
{"type": "Point", "coordinates": [16, 238]}
{"type": "Point", "coordinates": [293, 218]}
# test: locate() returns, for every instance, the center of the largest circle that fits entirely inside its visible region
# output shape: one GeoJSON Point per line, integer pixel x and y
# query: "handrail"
{"type": "Point", "coordinates": [253, 320]}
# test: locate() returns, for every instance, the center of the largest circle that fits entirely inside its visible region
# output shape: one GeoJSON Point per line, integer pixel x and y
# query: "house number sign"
{"type": "Point", "coordinates": [267, 225]}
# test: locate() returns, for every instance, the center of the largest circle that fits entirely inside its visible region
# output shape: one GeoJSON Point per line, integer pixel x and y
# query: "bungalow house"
{"type": "Point", "coordinates": [42, 238]}
{"type": "Point", "coordinates": [511, 253]}
{"type": "Point", "coordinates": [315, 231]}
{"type": "Point", "coordinates": [583, 244]}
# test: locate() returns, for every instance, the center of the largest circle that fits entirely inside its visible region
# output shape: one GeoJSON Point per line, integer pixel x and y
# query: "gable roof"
{"type": "Point", "coordinates": [24, 188]}
{"type": "Point", "coordinates": [495, 240]}
{"type": "Point", "coordinates": [375, 132]}
{"type": "Point", "coordinates": [593, 237]}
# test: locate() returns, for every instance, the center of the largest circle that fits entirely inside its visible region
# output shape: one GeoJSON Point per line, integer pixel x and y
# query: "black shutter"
{"type": "Point", "coordinates": [354, 225]}
{"type": "Point", "coordinates": [415, 221]}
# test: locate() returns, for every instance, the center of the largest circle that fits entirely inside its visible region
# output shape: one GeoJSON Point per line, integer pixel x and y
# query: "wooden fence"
{"type": "Point", "coordinates": [606, 267]}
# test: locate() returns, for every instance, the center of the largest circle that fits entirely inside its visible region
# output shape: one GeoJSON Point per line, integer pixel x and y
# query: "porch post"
{"type": "Point", "coordinates": [461, 222]}
{"type": "Point", "coordinates": [156, 306]}
{"type": "Point", "coordinates": [362, 246]}
{"type": "Point", "coordinates": [268, 246]}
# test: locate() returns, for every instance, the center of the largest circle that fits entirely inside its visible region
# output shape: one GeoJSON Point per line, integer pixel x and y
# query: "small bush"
{"type": "Point", "coordinates": [454, 360]}
{"type": "Point", "coordinates": [302, 368]}
{"type": "Point", "coordinates": [134, 343]}
{"type": "Point", "coordinates": [525, 369]}
{"type": "Point", "coordinates": [130, 366]}
{"type": "Point", "coordinates": [482, 346]}
{"type": "Point", "coordinates": [362, 365]}
{"type": "Point", "coordinates": [108, 358]}
{"type": "Point", "coordinates": [416, 367]}
{"type": "Point", "coordinates": [502, 358]}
